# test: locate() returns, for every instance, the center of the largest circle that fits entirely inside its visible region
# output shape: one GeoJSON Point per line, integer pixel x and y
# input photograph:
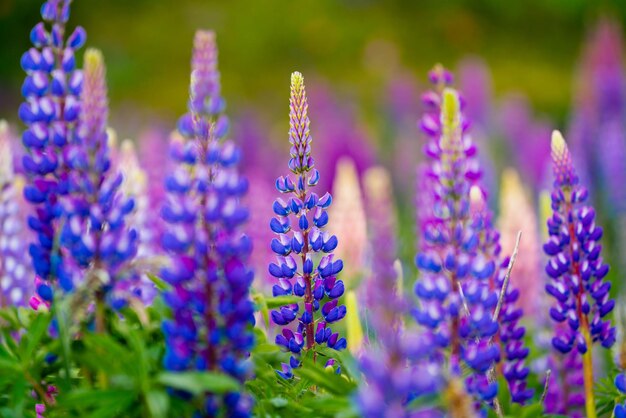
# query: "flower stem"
{"type": "Point", "coordinates": [590, 406]}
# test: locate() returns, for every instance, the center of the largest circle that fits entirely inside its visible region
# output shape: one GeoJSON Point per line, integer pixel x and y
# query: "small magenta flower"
{"type": "Point", "coordinates": [212, 314]}
{"type": "Point", "coordinates": [576, 269]}
{"type": "Point", "coordinates": [95, 232]}
{"type": "Point", "coordinates": [51, 112]}
{"type": "Point", "coordinates": [299, 225]}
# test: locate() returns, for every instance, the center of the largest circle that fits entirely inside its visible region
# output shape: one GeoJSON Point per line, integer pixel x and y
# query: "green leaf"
{"type": "Point", "coordinates": [158, 403]}
{"type": "Point", "coordinates": [278, 301]}
{"type": "Point", "coordinates": [101, 403]}
{"type": "Point", "coordinates": [32, 339]}
{"type": "Point", "coordinates": [160, 284]}
{"type": "Point", "coordinates": [532, 411]}
{"type": "Point", "coordinates": [279, 402]}
{"type": "Point", "coordinates": [197, 382]}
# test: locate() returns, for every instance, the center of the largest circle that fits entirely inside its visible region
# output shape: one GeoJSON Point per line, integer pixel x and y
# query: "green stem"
{"type": "Point", "coordinates": [590, 405]}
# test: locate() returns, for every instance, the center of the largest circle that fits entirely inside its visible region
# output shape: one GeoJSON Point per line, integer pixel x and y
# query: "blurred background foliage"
{"type": "Point", "coordinates": [531, 46]}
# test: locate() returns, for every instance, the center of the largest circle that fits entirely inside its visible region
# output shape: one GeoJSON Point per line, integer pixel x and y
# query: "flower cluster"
{"type": "Point", "coordinates": [576, 268]}
{"type": "Point", "coordinates": [296, 247]}
{"type": "Point", "coordinates": [510, 335]}
{"type": "Point", "coordinates": [15, 272]}
{"type": "Point", "coordinates": [95, 232]}
{"type": "Point", "coordinates": [211, 328]}
{"type": "Point", "coordinates": [565, 394]}
{"type": "Point", "coordinates": [456, 303]}
{"type": "Point", "coordinates": [389, 383]}
{"type": "Point", "coordinates": [51, 111]}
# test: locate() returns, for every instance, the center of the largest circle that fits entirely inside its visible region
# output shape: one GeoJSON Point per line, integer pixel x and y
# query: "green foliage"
{"type": "Point", "coordinates": [119, 373]}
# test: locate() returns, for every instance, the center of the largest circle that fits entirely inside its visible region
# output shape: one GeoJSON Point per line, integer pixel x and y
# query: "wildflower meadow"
{"type": "Point", "coordinates": [467, 263]}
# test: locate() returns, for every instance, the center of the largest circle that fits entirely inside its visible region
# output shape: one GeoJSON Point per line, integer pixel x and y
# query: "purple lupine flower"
{"type": "Point", "coordinates": [383, 297]}
{"type": "Point", "coordinates": [576, 268]}
{"type": "Point", "coordinates": [510, 334]}
{"type": "Point", "coordinates": [153, 157]}
{"type": "Point", "coordinates": [95, 232]}
{"type": "Point", "coordinates": [51, 111]}
{"type": "Point", "coordinates": [212, 314]}
{"type": "Point", "coordinates": [316, 285]}
{"type": "Point", "coordinates": [135, 187]}
{"type": "Point", "coordinates": [15, 273]}
{"type": "Point", "coordinates": [449, 263]}
{"type": "Point", "coordinates": [475, 83]}
{"type": "Point", "coordinates": [528, 139]}
{"type": "Point", "coordinates": [565, 389]}
{"type": "Point", "coordinates": [602, 100]}
{"type": "Point", "coordinates": [389, 380]}
{"type": "Point", "coordinates": [340, 136]}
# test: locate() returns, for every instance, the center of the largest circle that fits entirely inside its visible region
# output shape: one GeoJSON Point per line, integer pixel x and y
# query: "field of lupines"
{"type": "Point", "coordinates": [179, 279]}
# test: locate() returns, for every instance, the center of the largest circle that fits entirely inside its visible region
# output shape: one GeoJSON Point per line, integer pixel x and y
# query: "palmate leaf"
{"type": "Point", "coordinates": [199, 382]}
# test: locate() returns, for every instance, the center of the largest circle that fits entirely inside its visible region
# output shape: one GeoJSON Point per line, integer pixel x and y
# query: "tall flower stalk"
{"type": "Point", "coordinates": [51, 112]}
{"type": "Point", "coordinates": [576, 269]}
{"type": "Point", "coordinates": [95, 231]}
{"type": "Point", "coordinates": [456, 302]}
{"type": "Point", "coordinates": [299, 268]}
{"type": "Point", "coordinates": [510, 336]}
{"type": "Point", "coordinates": [212, 314]}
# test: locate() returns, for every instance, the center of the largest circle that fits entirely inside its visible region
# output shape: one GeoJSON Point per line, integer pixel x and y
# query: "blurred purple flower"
{"type": "Point", "coordinates": [339, 136]}
{"type": "Point", "coordinates": [96, 232]}
{"type": "Point", "coordinates": [212, 314]}
{"type": "Point", "coordinates": [529, 140]}
{"type": "Point", "coordinates": [16, 275]}
{"type": "Point", "coordinates": [448, 262]}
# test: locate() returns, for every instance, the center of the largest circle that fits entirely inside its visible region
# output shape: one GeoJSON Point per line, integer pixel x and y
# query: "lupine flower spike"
{"type": "Point", "coordinates": [459, 326]}
{"type": "Point", "coordinates": [576, 269]}
{"type": "Point", "coordinates": [299, 244]}
{"type": "Point", "coordinates": [510, 335]}
{"type": "Point", "coordinates": [389, 379]}
{"type": "Point", "coordinates": [51, 112]}
{"type": "Point", "coordinates": [209, 272]}
{"type": "Point", "coordinates": [95, 231]}
{"type": "Point", "coordinates": [15, 272]}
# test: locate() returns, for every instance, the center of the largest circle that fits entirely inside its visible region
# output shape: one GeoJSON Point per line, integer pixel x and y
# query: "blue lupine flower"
{"type": "Point", "coordinates": [576, 268]}
{"type": "Point", "coordinates": [95, 211]}
{"type": "Point", "coordinates": [510, 334]}
{"type": "Point", "coordinates": [299, 225]}
{"type": "Point", "coordinates": [213, 315]}
{"type": "Point", "coordinates": [51, 112]}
